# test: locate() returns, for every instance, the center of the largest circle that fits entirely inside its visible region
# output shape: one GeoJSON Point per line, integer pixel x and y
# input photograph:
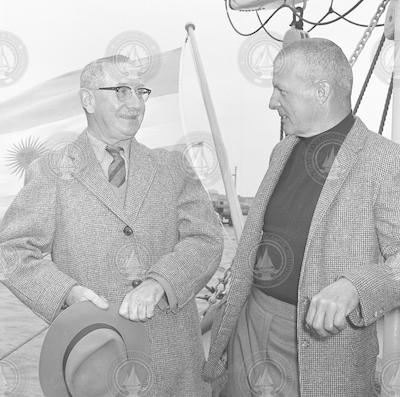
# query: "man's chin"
{"type": "Point", "coordinates": [130, 125]}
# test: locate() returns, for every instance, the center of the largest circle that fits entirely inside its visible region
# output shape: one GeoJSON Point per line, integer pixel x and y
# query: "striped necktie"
{"type": "Point", "coordinates": [116, 170]}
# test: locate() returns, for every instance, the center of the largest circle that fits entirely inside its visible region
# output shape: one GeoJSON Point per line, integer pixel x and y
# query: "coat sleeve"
{"type": "Point", "coordinates": [378, 284]}
{"type": "Point", "coordinates": [26, 237]}
{"type": "Point", "coordinates": [197, 254]}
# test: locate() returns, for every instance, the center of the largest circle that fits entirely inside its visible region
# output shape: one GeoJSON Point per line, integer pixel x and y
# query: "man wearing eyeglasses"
{"type": "Point", "coordinates": [123, 224]}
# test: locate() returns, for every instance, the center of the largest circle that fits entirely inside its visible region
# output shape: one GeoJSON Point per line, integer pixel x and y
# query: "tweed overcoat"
{"type": "Point", "coordinates": [68, 209]}
{"type": "Point", "coordinates": [356, 223]}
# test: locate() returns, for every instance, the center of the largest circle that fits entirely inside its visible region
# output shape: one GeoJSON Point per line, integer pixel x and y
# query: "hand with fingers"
{"type": "Point", "coordinates": [139, 304]}
{"type": "Point", "coordinates": [328, 309]}
{"type": "Point", "coordinates": [79, 293]}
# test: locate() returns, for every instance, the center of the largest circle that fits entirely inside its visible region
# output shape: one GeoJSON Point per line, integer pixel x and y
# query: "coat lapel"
{"type": "Point", "coordinates": [341, 167]}
{"type": "Point", "coordinates": [251, 236]}
{"type": "Point", "coordinates": [269, 182]}
{"type": "Point", "coordinates": [142, 170]}
{"type": "Point", "coordinates": [92, 177]}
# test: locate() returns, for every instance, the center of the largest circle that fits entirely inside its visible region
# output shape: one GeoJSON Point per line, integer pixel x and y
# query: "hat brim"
{"type": "Point", "coordinates": [67, 327]}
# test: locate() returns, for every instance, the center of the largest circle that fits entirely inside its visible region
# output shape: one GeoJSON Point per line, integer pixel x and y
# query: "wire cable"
{"type": "Point", "coordinates": [355, 23]}
{"type": "Point", "coordinates": [327, 13]}
{"type": "Point", "coordinates": [332, 20]}
{"type": "Point", "coordinates": [266, 31]}
{"type": "Point", "coordinates": [257, 30]}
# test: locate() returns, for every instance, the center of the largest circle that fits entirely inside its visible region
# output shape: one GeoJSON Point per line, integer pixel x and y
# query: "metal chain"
{"type": "Point", "coordinates": [367, 34]}
{"type": "Point", "coordinates": [220, 289]}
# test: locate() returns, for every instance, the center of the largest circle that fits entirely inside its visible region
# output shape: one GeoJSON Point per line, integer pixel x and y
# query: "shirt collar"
{"type": "Point", "coordinates": [99, 147]}
{"type": "Point", "coordinates": [343, 128]}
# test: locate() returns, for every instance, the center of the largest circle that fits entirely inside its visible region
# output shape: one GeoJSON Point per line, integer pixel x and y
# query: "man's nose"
{"type": "Point", "coordinates": [274, 102]}
{"type": "Point", "coordinates": [134, 101]}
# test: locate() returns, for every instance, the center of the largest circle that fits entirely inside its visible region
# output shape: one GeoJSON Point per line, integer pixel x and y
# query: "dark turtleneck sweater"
{"type": "Point", "coordinates": [290, 210]}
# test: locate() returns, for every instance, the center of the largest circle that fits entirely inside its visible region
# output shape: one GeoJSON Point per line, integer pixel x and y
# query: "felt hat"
{"type": "Point", "coordinates": [92, 352]}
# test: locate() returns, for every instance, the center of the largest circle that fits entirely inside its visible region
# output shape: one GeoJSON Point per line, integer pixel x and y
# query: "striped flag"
{"type": "Point", "coordinates": [50, 114]}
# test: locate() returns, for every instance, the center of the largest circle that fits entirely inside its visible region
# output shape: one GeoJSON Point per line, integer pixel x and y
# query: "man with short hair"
{"type": "Point", "coordinates": [307, 282]}
{"type": "Point", "coordinates": [123, 224]}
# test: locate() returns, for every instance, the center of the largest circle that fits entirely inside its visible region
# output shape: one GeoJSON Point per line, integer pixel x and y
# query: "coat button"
{"type": "Point", "coordinates": [128, 231]}
{"type": "Point", "coordinates": [305, 343]}
{"type": "Point", "coordinates": [136, 283]}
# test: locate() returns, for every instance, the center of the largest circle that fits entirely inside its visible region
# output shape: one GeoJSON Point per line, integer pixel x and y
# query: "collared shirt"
{"type": "Point", "coordinates": [290, 210]}
{"type": "Point", "coordinates": [104, 158]}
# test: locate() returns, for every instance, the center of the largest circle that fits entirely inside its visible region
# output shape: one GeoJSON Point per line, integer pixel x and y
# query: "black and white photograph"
{"type": "Point", "coordinates": [200, 198]}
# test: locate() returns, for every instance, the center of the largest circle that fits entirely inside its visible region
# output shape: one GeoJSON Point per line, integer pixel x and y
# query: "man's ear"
{"type": "Point", "coordinates": [87, 100]}
{"type": "Point", "coordinates": [323, 91]}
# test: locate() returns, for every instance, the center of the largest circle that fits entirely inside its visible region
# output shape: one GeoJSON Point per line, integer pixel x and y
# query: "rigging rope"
{"type": "Point", "coordinates": [24, 343]}
{"type": "Point", "coordinates": [367, 34]}
{"type": "Point", "coordinates": [369, 74]}
{"type": "Point", "coordinates": [386, 107]}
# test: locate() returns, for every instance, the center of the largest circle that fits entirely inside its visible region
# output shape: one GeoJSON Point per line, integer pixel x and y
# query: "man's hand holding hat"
{"type": "Point", "coordinates": [79, 293]}
{"type": "Point", "coordinates": [139, 304]}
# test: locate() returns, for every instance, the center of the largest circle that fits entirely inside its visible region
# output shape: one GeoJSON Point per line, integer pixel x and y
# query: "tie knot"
{"type": "Point", "coordinates": [114, 151]}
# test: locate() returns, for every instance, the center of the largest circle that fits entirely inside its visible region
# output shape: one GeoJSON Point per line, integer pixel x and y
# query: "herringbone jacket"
{"type": "Point", "coordinates": [167, 228]}
{"type": "Point", "coordinates": [356, 220]}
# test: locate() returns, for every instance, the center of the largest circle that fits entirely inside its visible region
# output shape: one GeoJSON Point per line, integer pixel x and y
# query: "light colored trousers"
{"type": "Point", "coordinates": [262, 352]}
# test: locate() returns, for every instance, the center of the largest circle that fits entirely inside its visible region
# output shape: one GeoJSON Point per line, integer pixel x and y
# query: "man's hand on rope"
{"type": "Point", "coordinates": [329, 308]}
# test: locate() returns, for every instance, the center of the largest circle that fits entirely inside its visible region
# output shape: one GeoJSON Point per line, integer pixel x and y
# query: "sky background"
{"type": "Point", "coordinates": [63, 36]}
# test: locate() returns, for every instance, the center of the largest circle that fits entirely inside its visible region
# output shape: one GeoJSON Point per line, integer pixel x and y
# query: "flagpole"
{"type": "Point", "coordinates": [233, 201]}
{"type": "Point", "coordinates": [391, 333]}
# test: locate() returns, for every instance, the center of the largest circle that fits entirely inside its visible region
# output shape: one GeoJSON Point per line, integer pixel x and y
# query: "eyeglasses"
{"type": "Point", "coordinates": [124, 93]}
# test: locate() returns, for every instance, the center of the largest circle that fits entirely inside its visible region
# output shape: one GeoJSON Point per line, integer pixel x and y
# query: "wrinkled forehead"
{"type": "Point", "coordinates": [119, 73]}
